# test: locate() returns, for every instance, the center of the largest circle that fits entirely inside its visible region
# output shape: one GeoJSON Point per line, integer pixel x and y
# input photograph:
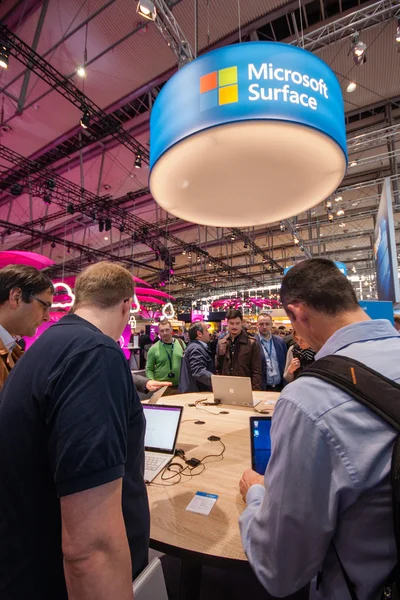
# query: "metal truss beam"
{"type": "Point", "coordinates": [256, 249]}
{"type": "Point", "coordinates": [65, 193]}
{"type": "Point", "coordinates": [90, 252]}
{"type": "Point", "coordinates": [36, 38]}
{"type": "Point", "coordinates": [372, 139]}
{"type": "Point", "coordinates": [24, 54]}
{"type": "Point", "coordinates": [341, 28]}
{"type": "Point", "coordinates": [65, 37]}
{"type": "Point", "coordinates": [173, 34]}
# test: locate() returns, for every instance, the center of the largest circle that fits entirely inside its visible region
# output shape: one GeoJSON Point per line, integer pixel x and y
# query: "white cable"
{"type": "Point", "coordinates": [301, 25]}
{"type": "Point", "coordinates": [240, 28]}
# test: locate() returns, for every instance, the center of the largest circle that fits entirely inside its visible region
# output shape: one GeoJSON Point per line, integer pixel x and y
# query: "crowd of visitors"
{"type": "Point", "coordinates": [74, 514]}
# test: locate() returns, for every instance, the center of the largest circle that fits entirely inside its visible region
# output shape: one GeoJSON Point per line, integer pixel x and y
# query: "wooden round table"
{"type": "Point", "coordinates": [197, 539]}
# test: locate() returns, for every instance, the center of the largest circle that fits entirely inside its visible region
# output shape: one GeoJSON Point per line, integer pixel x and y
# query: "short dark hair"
{"type": "Point", "coordinates": [397, 319]}
{"type": "Point", "coordinates": [234, 313]}
{"type": "Point", "coordinates": [194, 328]}
{"type": "Point", "coordinates": [28, 279]}
{"type": "Point", "coordinates": [318, 283]}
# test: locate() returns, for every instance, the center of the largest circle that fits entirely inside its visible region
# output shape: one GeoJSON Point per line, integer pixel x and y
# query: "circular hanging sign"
{"type": "Point", "coordinates": [247, 134]}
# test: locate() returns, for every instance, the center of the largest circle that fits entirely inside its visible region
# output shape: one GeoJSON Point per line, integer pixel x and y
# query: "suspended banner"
{"type": "Point", "coordinates": [386, 265]}
{"type": "Point", "coordinates": [247, 134]}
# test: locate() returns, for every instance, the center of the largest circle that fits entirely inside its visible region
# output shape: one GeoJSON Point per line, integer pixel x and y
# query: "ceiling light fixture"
{"type": "Point", "coordinates": [282, 226]}
{"type": "Point", "coordinates": [330, 217]}
{"type": "Point", "coordinates": [295, 240]}
{"type": "Point", "coordinates": [353, 163]}
{"type": "Point", "coordinates": [351, 87]}
{"type": "Point", "coordinates": [107, 225]}
{"type": "Point", "coordinates": [70, 208]}
{"type": "Point", "coordinates": [106, 238]}
{"type": "Point", "coordinates": [147, 10]}
{"type": "Point", "coordinates": [81, 71]}
{"type": "Point", "coordinates": [358, 49]}
{"type": "Point", "coordinates": [85, 119]}
{"type": "Point", "coordinates": [338, 198]}
{"type": "Point", "coordinates": [4, 56]}
{"type": "Point", "coordinates": [397, 38]}
{"type": "Point", "coordinates": [340, 212]}
{"type": "Point", "coordinates": [138, 161]}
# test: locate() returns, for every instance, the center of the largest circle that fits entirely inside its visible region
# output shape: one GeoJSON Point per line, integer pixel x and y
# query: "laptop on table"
{"type": "Point", "coordinates": [233, 390]}
{"type": "Point", "coordinates": [162, 426]}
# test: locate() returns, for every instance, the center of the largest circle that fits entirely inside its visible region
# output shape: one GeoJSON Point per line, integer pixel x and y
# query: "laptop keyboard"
{"type": "Point", "coordinates": [152, 463]}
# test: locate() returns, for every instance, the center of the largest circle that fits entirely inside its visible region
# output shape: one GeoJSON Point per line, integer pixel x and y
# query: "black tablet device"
{"type": "Point", "coordinates": [260, 439]}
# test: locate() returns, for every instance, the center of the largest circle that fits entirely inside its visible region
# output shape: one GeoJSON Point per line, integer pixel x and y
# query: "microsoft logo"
{"type": "Point", "coordinates": [219, 87]}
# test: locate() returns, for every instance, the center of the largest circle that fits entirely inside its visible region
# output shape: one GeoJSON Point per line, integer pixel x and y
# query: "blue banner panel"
{"type": "Point", "coordinates": [243, 82]}
{"type": "Point", "coordinates": [386, 266]}
{"type": "Point", "coordinates": [378, 310]}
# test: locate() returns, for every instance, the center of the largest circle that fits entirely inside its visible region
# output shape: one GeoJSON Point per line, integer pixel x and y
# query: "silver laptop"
{"type": "Point", "coordinates": [157, 395]}
{"type": "Point", "coordinates": [233, 390]}
{"type": "Point", "coordinates": [162, 426]}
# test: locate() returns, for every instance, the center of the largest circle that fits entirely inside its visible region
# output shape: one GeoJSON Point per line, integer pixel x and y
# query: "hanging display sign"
{"type": "Point", "coordinates": [63, 289]}
{"type": "Point", "coordinates": [261, 121]}
{"type": "Point", "coordinates": [168, 311]}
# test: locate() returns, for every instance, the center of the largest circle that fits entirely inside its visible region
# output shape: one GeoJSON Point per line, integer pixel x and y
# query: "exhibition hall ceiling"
{"type": "Point", "coordinates": [127, 62]}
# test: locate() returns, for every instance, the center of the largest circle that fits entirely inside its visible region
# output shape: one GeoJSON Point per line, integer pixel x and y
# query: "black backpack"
{"type": "Point", "coordinates": [381, 395]}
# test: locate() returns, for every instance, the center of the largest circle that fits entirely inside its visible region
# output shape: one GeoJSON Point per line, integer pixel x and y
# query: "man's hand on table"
{"type": "Point", "coordinates": [249, 478]}
{"type": "Point", "coordinates": [153, 386]}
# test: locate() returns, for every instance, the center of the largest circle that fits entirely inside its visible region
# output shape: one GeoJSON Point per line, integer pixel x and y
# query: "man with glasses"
{"type": "Point", "coordinates": [26, 296]}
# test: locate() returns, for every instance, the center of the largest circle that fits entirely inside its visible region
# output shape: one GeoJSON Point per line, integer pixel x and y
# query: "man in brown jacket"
{"type": "Point", "coordinates": [26, 296]}
{"type": "Point", "coordinates": [238, 353]}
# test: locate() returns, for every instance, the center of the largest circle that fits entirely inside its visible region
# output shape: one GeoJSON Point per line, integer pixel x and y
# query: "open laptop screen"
{"type": "Point", "coordinates": [162, 424]}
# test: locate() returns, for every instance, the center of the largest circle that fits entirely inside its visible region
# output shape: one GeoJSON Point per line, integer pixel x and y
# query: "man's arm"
{"type": "Point", "coordinates": [97, 561]}
{"type": "Point", "coordinates": [198, 367]}
{"type": "Point", "coordinates": [288, 524]}
{"type": "Point", "coordinates": [256, 369]}
{"type": "Point", "coordinates": [150, 363]}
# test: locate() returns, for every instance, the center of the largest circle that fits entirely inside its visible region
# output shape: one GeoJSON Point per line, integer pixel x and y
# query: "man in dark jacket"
{"type": "Point", "coordinates": [197, 363]}
{"type": "Point", "coordinates": [238, 353]}
{"type": "Point", "coordinates": [273, 354]}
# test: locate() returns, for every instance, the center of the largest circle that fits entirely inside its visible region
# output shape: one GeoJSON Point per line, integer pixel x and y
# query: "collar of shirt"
{"type": "Point", "coordinates": [7, 339]}
{"type": "Point", "coordinates": [362, 331]}
{"type": "Point", "coordinates": [203, 344]}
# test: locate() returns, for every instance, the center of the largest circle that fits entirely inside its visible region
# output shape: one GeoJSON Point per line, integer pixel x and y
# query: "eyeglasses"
{"type": "Point", "coordinates": [46, 305]}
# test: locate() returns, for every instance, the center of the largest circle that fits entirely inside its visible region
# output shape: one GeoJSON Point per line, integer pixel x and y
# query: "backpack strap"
{"type": "Point", "coordinates": [374, 390]}
{"type": "Point", "coordinates": [181, 344]}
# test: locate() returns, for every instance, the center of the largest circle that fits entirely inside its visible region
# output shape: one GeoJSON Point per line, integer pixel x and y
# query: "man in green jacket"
{"type": "Point", "coordinates": [164, 358]}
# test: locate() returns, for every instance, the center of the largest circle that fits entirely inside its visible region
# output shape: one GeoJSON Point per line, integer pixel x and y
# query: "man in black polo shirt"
{"type": "Point", "coordinates": [74, 515]}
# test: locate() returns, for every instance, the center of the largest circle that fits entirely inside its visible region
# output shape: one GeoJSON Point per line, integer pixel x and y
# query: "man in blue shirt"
{"type": "Point", "coordinates": [197, 364]}
{"type": "Point", "coordinates": [273, 355]}
{"type": "Point", "coordinates": [327, 485]}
